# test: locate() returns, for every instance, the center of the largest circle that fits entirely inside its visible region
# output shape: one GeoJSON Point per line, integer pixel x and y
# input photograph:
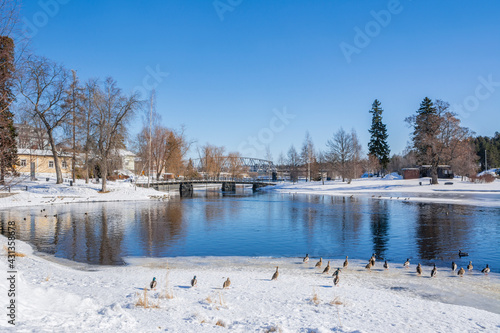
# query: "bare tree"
{"type": "Point", "coordinates": [212, 160]}
{"type": "Point", "coordinates": [308, 156]}
{"type": "Point", "coordinates": [293, 160]}
{"type": "Point", "coordinates": [91, 87]}
{"type": "Point", "coordinates": [42, 84]}
{"type": "Point", "coordinates": [235, 166]}
{"type": "Point", "coordinates": [345, 154]}
{"type": "Point", "coordinates": [113, 111]}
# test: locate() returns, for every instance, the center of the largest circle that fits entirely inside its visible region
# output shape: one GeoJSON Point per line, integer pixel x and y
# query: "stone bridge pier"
{"type": "Point", "coordinates": [228, 187]}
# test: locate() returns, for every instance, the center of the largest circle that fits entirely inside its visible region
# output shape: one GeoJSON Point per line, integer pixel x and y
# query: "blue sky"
{"type": "Point", "coordinates": [234, 64]}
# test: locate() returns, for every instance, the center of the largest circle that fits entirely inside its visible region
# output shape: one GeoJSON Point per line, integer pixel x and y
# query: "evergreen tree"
{"type": "Point", "coordinates": [426, 129]}
{"type": "Point", "coordinates": [8, 146]}
{"type": "Point", "coordinates": [378, 145]}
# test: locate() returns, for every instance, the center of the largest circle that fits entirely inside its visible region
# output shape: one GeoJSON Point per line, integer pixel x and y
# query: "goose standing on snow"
{"type": "Point", "coordinates": [194, 282]}
{"type": "Point", "coordinates": [434, 271]}
{"type": "Point", "coordinates": [461, 271]}
{"type": "Point", "coordinates": [372, 259]}
{"type": "Point", "coordinates": [337, 271]}
{"type": "Point", "coordinates": [469, 266]}
{"type": "Point", "coordinates": [407, 263]}
{"type": "Point", "coordinates": [319, 263]}
{"type": "Point", "coordinates": [306, 258]}
{"type": "Point", "coordinates": [386, 265]}
{"type": "Point", "coordinates": [327, 268]}
{"type": "Point", "coordinates": [336, 280]}
{"type": "Point", "coordinates": [226, 284]}
{"type": "Point", "coordinates": [419, 269]}
{"type": "Point", "coordinates": [153, 283]}
{"type": "Point", "coordinates": [453, 266]}
{"type": "Point", "coordinates": [369, 266]}
{"type": "Point", "coordinates": [275, 275]}
{"type": "Point", "coordinates": [346, 262]}
{"type": "Point", "coordinates": [486, 270]}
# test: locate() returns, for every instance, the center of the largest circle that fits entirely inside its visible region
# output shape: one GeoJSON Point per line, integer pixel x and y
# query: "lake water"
{"type": "Point", "coordinates": [263, 224]}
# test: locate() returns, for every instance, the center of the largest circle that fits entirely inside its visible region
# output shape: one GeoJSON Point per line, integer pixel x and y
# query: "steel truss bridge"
{"type": "Point", "coordinates": [229, 163]}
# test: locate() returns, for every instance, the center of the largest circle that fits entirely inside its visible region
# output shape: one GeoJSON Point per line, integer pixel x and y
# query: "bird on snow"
{"type": "Point", "coordinates": [306, 258]}
{"type": "Point", "coordinates": [372, 259]}
{"type": "Point", "coordinates": [407, 263]}
{"type": "Point", "coordinates": [327, 268]}
{"type": "Point", "coordinates": [336, 280]}
{"type": "Point", "coordinates": [194, 282]}
{"type": "Point", "coordinates": [434, 271]}
{"type": "Point", "coordinates": [226, 284]}
{"type": "Point", "coordinates": [276, 274]}
{"type": "Point", "coordinates": [369, 266]}
{"type": "Point", "coordinates": [419, 269]}
{"type": "Point", "coordinates": [469, 266]}
{"type": "Point", "coordinates": [486, 270]}
{"type": "Point", "coordinates": [346, 262]}
{"type": "Point", "coordinates": [319, 263]}
{"type": "Point", "coordinates": [461, 271]}
{"type": "Point", "coordinates": [386, 265]}
{"type": "Point", "coordinates": [153, 283]}
{"type": "Point", "coordinates": [453, 266]}
{"type": "Point", "coordinates": [337, 271]}
{"type": "Point", "coordinates": [462, 254]}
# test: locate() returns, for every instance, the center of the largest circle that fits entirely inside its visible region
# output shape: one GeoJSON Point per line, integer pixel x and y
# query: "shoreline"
{"type": "Point", "coordinates": [301, 299]}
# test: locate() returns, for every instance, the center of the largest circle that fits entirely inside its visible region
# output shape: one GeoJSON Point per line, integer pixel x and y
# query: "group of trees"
{"type": "Point", "coordinates": [488, 150]}
{"type": "Point", "coordinates": [437, 138]}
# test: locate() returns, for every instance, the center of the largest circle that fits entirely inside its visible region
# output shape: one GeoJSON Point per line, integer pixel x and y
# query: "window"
{"type": "Point", "coordinates": [23, 163]}
{"type": "Point", "coordinates": [51, 164]}
{"type": "Point", "coordinates": [64, 165]}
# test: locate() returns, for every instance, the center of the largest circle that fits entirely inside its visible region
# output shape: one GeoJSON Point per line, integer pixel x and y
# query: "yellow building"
{"type": "Point", "coordinates": [35, 161]}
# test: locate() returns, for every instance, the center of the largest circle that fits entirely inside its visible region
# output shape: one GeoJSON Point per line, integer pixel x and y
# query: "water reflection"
{"type": "Point", "coordinates": [262, 225]}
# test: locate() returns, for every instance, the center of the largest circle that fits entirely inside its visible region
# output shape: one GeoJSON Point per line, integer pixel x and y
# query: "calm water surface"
{"type": "Point", "coordinates": [263, 224]}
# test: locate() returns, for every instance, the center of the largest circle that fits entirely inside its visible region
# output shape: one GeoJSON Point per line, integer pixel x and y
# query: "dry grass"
{"type": "Point", "coordinates": [315, 299]}
{"type": "Point", "coordinates": [219, 302]}
{"type": "Point", "coordinates": [273, 329]}
{"type": "Point", "coordinates": [47, 278]}
{"type": "Point", "coordinates": [221, 323]}
{"type": "Point", "coordinates": [336, 301]}
{"type": "Point", "coordinates": [168, 293]}
{"type": "Point", "coordinates": [144, 302]}
{"type": "Point", "coordinates": [16, 254]}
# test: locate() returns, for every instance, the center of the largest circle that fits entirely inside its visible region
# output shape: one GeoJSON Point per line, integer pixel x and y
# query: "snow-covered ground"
{"type": "Point", "coordinates": [54, 297]}
{"type": "Point", "coordinates": [30, 193]}
{"type": "Point", "coordinates": [392, 188]}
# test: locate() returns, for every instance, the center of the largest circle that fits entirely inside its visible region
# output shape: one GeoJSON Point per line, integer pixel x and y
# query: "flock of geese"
{"type": "Point", "coordinates": [369, 266]}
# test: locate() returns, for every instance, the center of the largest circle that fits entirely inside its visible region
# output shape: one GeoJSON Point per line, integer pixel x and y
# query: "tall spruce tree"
{"type": "Point", "coordinates": [8, 145]}
{"type": "Point", "coordinates": [378, 145]}
{"type": "Point", "coordinates": [426, 130]}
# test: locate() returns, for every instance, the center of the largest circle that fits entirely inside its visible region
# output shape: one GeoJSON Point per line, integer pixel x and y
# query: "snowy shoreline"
{"type": "Point", "coordinates": [410, 190]}
{"type": "Point", "coordinates": [52, 296]}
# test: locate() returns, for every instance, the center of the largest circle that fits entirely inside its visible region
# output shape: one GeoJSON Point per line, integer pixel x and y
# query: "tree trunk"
{"type": "Point", "coordinates": [434, 174]}
{"type": "Point", "coordinates": [59, 179]}
{"type": "Point", "coordinates": [104, 173]}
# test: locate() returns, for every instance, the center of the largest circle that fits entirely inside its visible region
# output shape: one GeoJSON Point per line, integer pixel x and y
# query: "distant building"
{"type": "Point", "coordinates": [444, 171]}
{"type": "Point", "coordinates": [411, 173]}
{"type": "Point", "coordinates": [30, 137]}
{"type": "Point", "coordinates": [36, 161]}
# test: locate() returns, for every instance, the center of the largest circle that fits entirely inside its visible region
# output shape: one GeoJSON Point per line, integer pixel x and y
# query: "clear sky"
{"type": "Point", "coordinates": [233, 69]}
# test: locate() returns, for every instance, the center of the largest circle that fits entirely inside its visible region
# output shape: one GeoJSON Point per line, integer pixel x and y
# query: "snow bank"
{"type": "Point", "coordinates": [53, 297]}
{"type": "Point", "coordinates": [392, 187]}
{"type": "Point", "coordinates": [392, 176]}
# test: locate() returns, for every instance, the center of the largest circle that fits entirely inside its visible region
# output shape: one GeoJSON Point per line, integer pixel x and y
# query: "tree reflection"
{"type": "Point", "coordinates": [379, 226]}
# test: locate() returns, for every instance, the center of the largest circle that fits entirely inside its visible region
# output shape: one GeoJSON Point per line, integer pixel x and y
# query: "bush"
{"type": "Point", "coordinates": [485, 178]}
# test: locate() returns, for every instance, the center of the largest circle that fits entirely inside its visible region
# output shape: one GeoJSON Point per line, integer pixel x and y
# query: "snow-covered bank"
{"type": "Point", "coordinates": [55, 297]}
{"type": "Point", "coordinates": [31, 193]}
{"type": "Point", "coordinates": [460, 192]}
